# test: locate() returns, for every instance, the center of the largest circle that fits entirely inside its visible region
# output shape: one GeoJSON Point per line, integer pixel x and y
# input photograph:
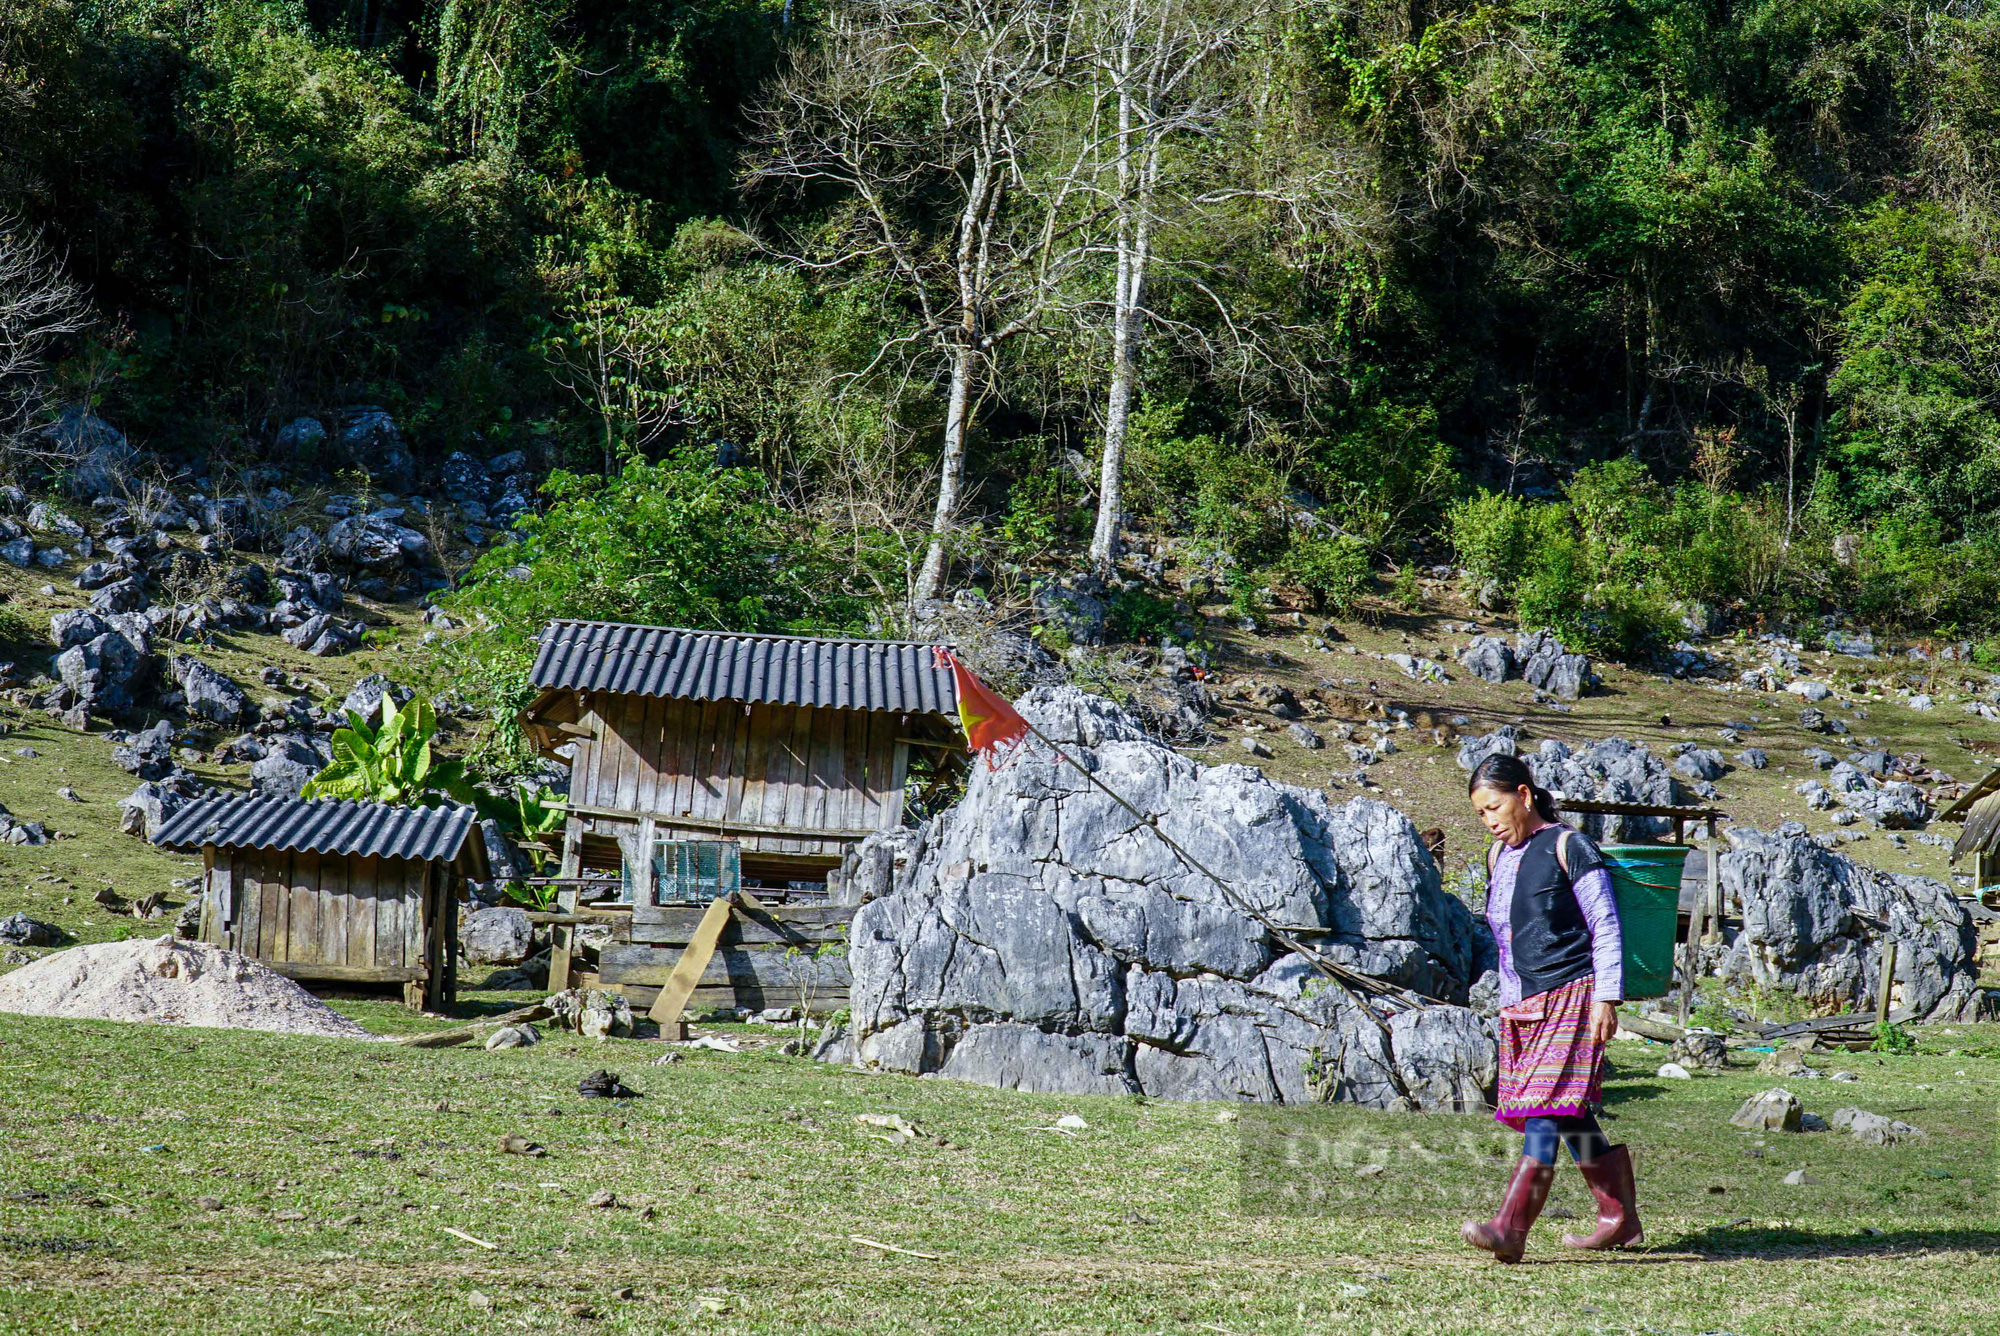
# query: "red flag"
{"type": "Point", "coordinates": [989, 721]}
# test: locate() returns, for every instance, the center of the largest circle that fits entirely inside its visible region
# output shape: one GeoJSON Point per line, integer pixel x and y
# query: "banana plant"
{"type": "Point", "coordinates": [391, 762]}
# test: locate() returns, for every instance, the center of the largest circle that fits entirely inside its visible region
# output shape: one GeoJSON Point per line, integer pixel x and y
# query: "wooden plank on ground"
{"type": "Point", "coordinates": [643, 996]}
{"type": "Point", "coordinates": [681, 983]}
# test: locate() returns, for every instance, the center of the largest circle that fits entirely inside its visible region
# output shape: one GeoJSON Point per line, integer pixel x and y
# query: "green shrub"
{"type": "Point", "coordinates": [1333, 571]}
{"type": "Point", "coordinates": [1387, 475]}
{"type": "Point", "coordinates": [1136, 615]}
{"type": "Point", "coordinates": [677, 543]}
{"type": "Point", "coordinates": [1492, 535]}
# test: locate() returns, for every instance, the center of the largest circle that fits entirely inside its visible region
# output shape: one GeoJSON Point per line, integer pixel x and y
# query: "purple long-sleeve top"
{"type": "Point", "coordinates": [1600, 911]}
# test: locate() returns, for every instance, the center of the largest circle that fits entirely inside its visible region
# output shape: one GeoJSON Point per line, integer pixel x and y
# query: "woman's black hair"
{"type": "Point", "coordinates": [1505, 774]}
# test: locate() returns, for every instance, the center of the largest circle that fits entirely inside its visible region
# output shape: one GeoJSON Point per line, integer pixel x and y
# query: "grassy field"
{"type": "Point", "coordinates": [216, 1181]}
{"type": "Point", "coordinates": [212, 1181]}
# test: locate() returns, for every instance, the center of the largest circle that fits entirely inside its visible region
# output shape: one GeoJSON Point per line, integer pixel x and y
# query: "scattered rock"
{"type": "Point", "coordinates": [1799, 1178]}
{"type": "Point", "coordinates": [1546, 664]}
{"type": "Point", "coordinates": [212, 696]}
{"type": "Point", "coordinates": [17, 929]}
{"type": "Point", "coordinates": [592, 1013]}
{"type": "Point", "coordinates": [1873, 1129]}
{"type": "Point", "coordinates": [365, 699]}
{"type": "Point", "coordinates": [1422, 669]}
{"type": "Point", "coordinates": [1774, 1110]}
{"type": "Point", "coordinates": [1488, 658]}
{"type": "Point", "coordinates": [1703, 1050]}
{"type": "Point", "coordinates": [1700, 763]}
{"type": "Point", "coordinates": [1306, 737]}
{"type": "Point", "coordinates": [1673, 1071]}
{"type": "Point", "coordinates": [521, 1035]}
{"type": "Point", "coordinates": [1788, 1062]}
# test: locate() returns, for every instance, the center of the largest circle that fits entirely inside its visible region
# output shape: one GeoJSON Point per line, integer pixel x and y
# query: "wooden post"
{"type": "Point", "coordinates": [1688, 948]}
{"type": "Point", "coordinates": [1888, 981]}
{"type": "Point", "coordinates": [642, 875]}
{"type": "Point", "coordinates": [559, 935]}
{"type": "Point", "coordinates": [1715, 905]}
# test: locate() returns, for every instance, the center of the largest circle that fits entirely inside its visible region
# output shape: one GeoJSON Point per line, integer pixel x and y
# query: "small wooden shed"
{"type": "Point", "coordinates": [790, 748]}
{"type": "Point", "coordinates": [705, 766]}
{"type": "Point", "coordinates": [1979, 809]}
{"type": "Point", "coordinates": [336, 892]}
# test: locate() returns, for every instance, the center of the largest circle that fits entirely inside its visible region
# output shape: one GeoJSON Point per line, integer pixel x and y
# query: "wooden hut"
{"type": "Point", "coordinates": [1979, 809]}
{"type": "Point", "coordinates": [335, 892]}
{"type": "Point", "coordinates": [790, 748]}
{"type": "Point", "coordinates": [704, 763]}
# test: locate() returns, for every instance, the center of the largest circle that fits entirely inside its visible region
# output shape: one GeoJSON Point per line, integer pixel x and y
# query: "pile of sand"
{"type": "Point", "coordinates": [169, 982]}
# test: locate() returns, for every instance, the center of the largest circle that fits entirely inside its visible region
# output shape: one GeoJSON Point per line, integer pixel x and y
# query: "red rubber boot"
{"type": "Point", "coordinates": [1610, 1179]}
{"type": "Point", "coordinates": [1506, 1234]}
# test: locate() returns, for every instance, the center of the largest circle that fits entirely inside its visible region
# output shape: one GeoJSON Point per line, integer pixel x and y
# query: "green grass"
{"type": "Point", "coordinates": [741, 1179]}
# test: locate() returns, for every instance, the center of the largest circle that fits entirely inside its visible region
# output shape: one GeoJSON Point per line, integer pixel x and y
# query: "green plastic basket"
{"type": "Point", "coordinates": [1646, 879]}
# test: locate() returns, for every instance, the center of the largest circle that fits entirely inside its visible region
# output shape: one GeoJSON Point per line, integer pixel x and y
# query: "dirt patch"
{"type": "Point", "coordinates": [169, 982]}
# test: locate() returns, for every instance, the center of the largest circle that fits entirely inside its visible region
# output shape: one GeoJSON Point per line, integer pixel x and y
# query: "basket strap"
{"type": "Point", "coordinates": [1562, 851]}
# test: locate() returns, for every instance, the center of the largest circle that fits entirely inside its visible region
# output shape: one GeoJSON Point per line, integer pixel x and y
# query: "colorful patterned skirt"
{"type": "Point", "coordinates": [1548, 1065]}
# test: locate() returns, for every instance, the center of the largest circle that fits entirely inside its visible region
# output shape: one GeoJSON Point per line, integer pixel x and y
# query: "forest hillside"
{"type": "Point", "coordinates": [1624, 315]}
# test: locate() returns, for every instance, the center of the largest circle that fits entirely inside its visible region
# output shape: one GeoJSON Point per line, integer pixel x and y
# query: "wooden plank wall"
{"type": "Point", "coordinates": [747, 970]}
{"type": "Point", "coordinates": [800, 767]}
{"type": "Point", "coordinates": [331, 916]}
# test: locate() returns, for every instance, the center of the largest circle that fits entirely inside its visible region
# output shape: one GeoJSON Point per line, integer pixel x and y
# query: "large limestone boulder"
{"type": "Point", "coordinates": [497, 936]}
{"type": "Point", "coordinates": [1038, 936]}
{"type": "Point", "coordinates": [1810, 927]}
{"type": "Point", "coordinates": [1612, 770]}
{"type": "Point", "coordinates": [211, 695]}
{"type": "Point", "coordinates": [99, 460]}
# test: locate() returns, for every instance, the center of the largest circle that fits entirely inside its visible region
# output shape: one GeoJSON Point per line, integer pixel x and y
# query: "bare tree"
{"type": "Point", "coordinates": [39, 306]}
{"type": "Point", "coordinates": [1203, 170]}
{"type": "Point", "coordinates": [612, 354]}
{"type": "Point", "coordinates": [922, 116]}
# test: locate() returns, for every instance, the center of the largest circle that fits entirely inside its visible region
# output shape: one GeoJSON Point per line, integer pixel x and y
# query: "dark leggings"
{"type": "Point", "coordinates": [1585, 1138]}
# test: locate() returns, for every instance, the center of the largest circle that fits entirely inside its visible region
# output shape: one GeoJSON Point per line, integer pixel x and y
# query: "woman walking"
{"type": "Point", "coordinates": [1550, 905]}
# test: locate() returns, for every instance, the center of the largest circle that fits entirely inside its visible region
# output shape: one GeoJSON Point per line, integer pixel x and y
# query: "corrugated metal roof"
{"type": "Point", "coordinates": [772, 670]}
{"type": "Point", "coordinates": [1982, 829]}
{"type": "Point", "coordinates": [319, 826]}
{"type": "Point", "coordinates": [1990, 783]}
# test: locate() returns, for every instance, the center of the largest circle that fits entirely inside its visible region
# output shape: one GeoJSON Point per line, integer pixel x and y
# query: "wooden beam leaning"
{"type": "Point", "coordinates": [673, 999]}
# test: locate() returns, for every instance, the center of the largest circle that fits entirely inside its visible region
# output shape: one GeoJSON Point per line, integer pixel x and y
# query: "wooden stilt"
{"type": "Point", "coordinates": [559, 935]}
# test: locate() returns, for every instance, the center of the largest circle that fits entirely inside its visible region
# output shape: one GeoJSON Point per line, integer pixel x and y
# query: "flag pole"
{"type": "Point", "coordinates": [1347, 979]}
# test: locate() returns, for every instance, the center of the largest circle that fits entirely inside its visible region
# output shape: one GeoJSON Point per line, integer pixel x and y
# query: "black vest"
{"type": "Point", "coordinates": [1551, 938]}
